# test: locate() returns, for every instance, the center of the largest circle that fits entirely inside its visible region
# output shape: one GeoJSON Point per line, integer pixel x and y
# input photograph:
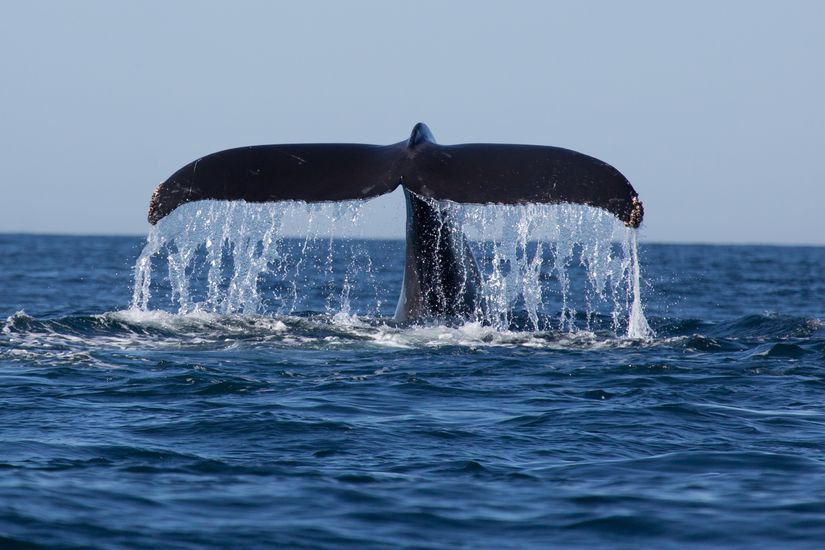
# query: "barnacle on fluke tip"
{"type": "Point", "coordinates": [637, 212]}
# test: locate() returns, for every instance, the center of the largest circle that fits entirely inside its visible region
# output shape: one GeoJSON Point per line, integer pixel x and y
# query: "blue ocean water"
{"type": "Point", "coordinates": [321, 424]}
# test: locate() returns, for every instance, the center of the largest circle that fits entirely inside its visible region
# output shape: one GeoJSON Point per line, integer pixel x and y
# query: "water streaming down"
{"type": "Point", "coordinates": [544, 267]}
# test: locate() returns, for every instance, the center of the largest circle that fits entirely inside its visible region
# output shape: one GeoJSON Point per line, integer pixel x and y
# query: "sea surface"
{"type": "Point", "coordinates": [309, 419]}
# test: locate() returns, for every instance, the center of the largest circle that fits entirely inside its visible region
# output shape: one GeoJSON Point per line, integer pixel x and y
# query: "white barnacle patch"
{"type": "Point", "coordinates": [636, 213]}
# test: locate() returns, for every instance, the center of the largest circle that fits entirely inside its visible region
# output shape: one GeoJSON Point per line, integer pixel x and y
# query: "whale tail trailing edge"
{"type": "Point", "coordinates": [476, 173]}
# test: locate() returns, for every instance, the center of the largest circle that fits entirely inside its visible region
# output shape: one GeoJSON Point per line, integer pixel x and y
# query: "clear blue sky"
{"type": "Point", "coordinates": [713, 109]}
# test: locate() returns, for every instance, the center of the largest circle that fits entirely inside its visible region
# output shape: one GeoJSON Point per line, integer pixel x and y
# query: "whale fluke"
{"type": "Point", "coordinates": [475, 173]}
{"type": "Point", "coordinates": [441, 276]}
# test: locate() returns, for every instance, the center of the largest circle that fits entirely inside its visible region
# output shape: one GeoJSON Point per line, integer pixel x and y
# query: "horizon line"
{"type": "Point", "coordinates": [642, 239]}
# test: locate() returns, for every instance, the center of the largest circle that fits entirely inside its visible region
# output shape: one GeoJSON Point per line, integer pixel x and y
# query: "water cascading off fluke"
{"type": "Point", "coordinates": [543, 267]}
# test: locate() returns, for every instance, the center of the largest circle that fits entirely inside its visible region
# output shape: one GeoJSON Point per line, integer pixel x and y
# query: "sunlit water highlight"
{"type": "Point", "coordinates": [230, 258]}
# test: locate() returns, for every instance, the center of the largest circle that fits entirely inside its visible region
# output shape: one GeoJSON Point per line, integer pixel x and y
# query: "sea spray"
{"type": "Point", "coordinates": [535, 257]}
{"type": "Point", "coordinates": [637, 326]}
{"type": "Point", "coordinates": [544, 267]}
{"type": "Point", "coordinates": [221, 257]}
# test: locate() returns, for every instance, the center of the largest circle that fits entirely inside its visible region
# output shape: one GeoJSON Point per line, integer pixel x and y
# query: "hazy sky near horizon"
{"type": "Point", "coordinates": [713, 110]}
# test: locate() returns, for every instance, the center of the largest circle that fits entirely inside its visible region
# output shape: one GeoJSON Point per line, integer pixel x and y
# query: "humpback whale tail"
{"type": "Point", "coordinates": [476, 173]}
{"type": "Point", "coordinates": [440, 276]}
